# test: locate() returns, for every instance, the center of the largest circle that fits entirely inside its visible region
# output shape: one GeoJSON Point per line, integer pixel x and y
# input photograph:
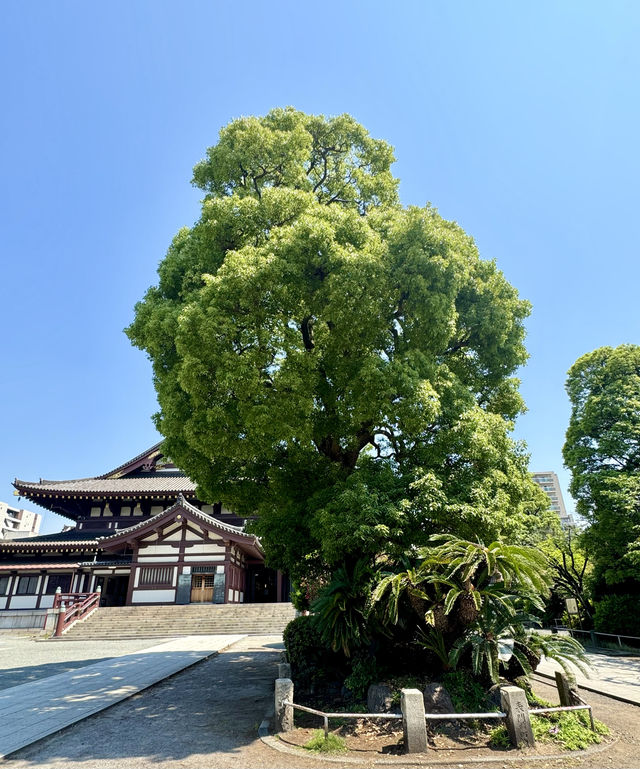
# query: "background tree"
{"type": "Point", "coordinates": [572, 569]}
{"type": "Point", "coordinates": [332, 362]}
{"type": "Point", "coordinates": [602, 450]}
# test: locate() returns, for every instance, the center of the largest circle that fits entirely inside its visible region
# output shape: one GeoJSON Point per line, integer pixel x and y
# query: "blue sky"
{"type": "Point", "coordinates": [518, 120]}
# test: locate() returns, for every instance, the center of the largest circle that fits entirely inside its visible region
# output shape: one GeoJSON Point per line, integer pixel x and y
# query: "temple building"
{"type": "Point", "coordinates": [143, 537]}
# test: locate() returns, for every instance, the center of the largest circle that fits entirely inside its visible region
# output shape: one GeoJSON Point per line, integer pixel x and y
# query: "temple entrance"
{"type": "Point", "coordinates": [114, 589]}
{"type": "Point", "coordinates": [202, 588]}
{"type": "Point", "coordinates": [261, 585]}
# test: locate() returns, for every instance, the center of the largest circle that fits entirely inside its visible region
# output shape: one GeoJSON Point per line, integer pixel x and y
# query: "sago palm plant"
{"type": "Point", "coordinates": [340, 610]}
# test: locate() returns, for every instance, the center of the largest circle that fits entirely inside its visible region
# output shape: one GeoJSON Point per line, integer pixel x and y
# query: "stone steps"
{"type": "Point", "coordinates": [128, 622]}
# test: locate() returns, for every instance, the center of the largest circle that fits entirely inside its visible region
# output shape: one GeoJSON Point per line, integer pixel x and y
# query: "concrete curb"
{"type": "Point", "coordinates": [427, 759]}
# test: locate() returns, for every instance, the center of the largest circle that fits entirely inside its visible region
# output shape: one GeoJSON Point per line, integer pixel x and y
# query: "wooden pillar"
{"type": "Point", "coordinates": [44, 578]}
{"type": "Point", "coordinates": [11, 588]}
{"type": "Point", "coordinates": [278, 586]}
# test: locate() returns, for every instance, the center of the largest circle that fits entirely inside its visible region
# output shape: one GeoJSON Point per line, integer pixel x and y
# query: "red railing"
{"type": "Point", "coordinates": [73, 607]}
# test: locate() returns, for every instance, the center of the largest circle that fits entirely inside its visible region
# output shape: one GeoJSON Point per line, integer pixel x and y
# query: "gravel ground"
{"type": "Point", "coordinates": [24, 659]}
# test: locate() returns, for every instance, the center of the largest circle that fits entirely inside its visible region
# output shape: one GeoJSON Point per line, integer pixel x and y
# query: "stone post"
{"type": "Point", "coordinates": [514, 703]}
{"type": "Point", "coordinates": [567, 689]}
{"type": "Point", "coordinates": [284, 670]}
{"type": "Point", "coordinates": [284, 713]}
{"type": "Point", "coordinates": [413, 721]}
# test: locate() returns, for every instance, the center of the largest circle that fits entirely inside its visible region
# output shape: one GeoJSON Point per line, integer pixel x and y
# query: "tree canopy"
{"type": "Point", "coordinates": [602, 450]}
{"type": "Point", "coordinates": [332, 362]}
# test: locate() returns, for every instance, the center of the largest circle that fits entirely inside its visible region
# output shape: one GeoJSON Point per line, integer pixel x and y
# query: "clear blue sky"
{"type": "Point", "coordinates": [519, 120]}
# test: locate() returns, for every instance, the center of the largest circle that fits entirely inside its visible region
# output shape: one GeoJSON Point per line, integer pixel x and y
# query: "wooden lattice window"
{"type": "Point", "coordinates": [156, 575]}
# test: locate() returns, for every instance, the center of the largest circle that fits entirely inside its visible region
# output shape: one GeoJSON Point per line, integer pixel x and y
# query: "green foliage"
{"type": "Point", "coordinates": [499, 738]}
{"type": "Point", "coordinates": [433, 641]}
{"type": "Point", "coordinates": [466, 692]}
{"type": "Point", "coordinates": [566, 651]}
{"type": "Point", "coordinates": [570, 730]}
{"type": "Point", "coordinates": [471, 601]}
{"type": "Point", "coordinates": [335, 364]}
{"type": "Point", "coordinates": [339, 611]}
{"type": "Point", "coordinates": [618, 614]}
{"type": "Point", "coordinates": [494, 639]}
{"type": "Point", "coordinates": [332, 743]}
{"type": "Point", "coordinates": [602, 450]}
{"type": "Point", "coordinates": [311, 661]}
{"type": "Point", "coordinates": [364, 672]}
{"type": "Point", "coordinates": [460, 577]}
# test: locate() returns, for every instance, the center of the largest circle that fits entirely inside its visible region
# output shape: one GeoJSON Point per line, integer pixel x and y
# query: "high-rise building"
{"type": "Point", "coordinates": [549, 483]}
{"type": "Point", "coordinates": [15, 522]}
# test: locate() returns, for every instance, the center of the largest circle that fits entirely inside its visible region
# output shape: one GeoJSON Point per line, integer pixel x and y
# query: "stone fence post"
{"type": "Point", "coordinates": [284, 713]}
{"type": "Point", "coordinates": [284, 670]}
{"type": "Point", "coordinates": [514, 703]}
{"type": "Point", "coordinates": [413, 721]}
{"type": "Point", "coordinates": [567, 689]}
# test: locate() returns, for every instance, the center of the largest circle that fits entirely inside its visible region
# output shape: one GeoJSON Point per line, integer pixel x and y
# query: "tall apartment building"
{"type": "Point", "coordinates": [16, 523]}
{"type": "Point", "coordinates": [549, 483]}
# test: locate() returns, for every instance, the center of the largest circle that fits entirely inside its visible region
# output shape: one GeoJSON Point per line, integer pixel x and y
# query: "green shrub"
{"type": "Point", "coordinates": [618, 614]}
{"type": "Point", "coordinates": [466, 692]}
{"type": "Point", "coordinates": [364, 672]}
{"type": "Point", "coordinates": [311, 662]}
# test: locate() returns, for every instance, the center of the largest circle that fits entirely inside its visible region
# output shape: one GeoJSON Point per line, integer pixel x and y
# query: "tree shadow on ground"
{"type": "Point", "coordinates": [211, 709]}
{"type": "Point", "coordinates": [25, 674]}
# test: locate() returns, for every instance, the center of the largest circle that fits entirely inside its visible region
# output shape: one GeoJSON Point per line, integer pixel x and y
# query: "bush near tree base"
{"type": "Point", "coordinates": [312, 663]}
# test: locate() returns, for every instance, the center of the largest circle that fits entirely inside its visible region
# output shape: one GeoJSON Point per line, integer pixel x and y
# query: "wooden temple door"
{"type": "Point", "coordinates": [202, 588]}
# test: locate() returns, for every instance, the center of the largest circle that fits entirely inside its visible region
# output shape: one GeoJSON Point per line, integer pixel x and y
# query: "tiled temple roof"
{"type": "Point", "coordinates": [36, 566]}
{"type": "Point", "coordinates": [137, 461]}
{"type": "Point", "coordinates": [138, 477]}
{"type": "Point", "coordinates": [72, 537]}
{"type": "Point", "coordinates": [182, 503]}
{"type": "Point", "coordinates": [248, 542]}
{"type": "Point", "coordinates": [147, 484]}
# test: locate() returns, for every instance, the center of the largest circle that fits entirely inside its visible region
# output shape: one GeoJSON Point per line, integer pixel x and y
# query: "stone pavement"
{"type": "Point", "coordinates": [37, 709]}
{"type": "Point", "coordinates": [613, 675]}
{"type": "Point", "coordinates": [24, 659]}
{"type": "Point", "coordinates": [207, 717]}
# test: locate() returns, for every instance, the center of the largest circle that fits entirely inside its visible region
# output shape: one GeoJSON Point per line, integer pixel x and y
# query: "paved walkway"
{"type": "Point", "coordinates": [27, 659]}
{"type": "Point", "coordinates": [37, 709]}
{"type": "Point", "coordinates": [207, 717]}
{"type": "Point", "coordinates": [616, 676]}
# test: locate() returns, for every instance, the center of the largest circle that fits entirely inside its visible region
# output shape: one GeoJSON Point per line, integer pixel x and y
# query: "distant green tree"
{"type": "Point", "coordinates": [602, 450]}
{"type": "Point", "coordinates": [332, 362]}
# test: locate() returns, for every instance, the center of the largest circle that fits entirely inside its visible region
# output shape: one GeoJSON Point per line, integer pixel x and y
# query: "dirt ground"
{"type": "Point", "coordinates": [375, 741]}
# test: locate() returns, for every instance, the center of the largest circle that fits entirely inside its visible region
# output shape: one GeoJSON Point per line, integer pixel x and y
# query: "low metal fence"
{"type": "Point", "coordinates": [435, 716]}
{"type": "Point", "coordinates": [591, 637]}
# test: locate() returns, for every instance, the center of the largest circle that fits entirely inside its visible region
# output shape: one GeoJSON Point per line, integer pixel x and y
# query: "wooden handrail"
{"type": "Point", "coordinates": [73, 607]}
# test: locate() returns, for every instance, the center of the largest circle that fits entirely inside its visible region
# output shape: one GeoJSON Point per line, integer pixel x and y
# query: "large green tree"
{"type": "Point", "coordinates": [602, 450]}
{"type": "Point", "coordinates": [335, 363]}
